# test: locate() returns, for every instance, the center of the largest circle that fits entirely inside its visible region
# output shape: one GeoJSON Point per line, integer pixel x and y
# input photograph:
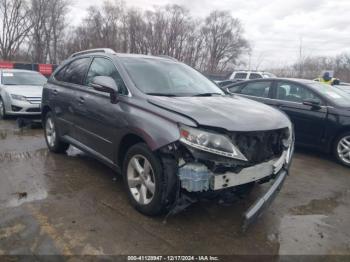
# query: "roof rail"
{"type": "Point", "coordinates": [168, 57]}
{"type": "Point", "coordinates": [97, 50]}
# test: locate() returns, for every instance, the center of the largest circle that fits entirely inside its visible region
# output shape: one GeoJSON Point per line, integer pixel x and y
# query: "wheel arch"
{"type": "Point", "coordinates": [125, 144]}
{"type": "Point", "coordinates": [341, 131]}
{"type": "Point", "coordinates": [44, 111]}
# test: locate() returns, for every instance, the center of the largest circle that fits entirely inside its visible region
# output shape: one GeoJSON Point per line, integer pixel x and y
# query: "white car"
{"type": "Point", "coordinates": [20, 92]}
{"type": "Point", "coordinates": [249, 75]}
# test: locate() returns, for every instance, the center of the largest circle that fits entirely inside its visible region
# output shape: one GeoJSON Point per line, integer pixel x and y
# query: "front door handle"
{"type": "Point", "coordinates": [81, 100]}
{"type": "Point", "coordinates": [55, 92]}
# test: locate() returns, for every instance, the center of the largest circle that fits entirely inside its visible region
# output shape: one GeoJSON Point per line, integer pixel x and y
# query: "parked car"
{"type": "Point", "coordinates": [344, 87]}
{"type": "Point", "coordinates": [248, 75]}
{"type": "Point", "coordinates": [320, 113]}
{"type": "Point", "coordinates": [170, 131]}
{"type": "Point", "coordinates": [20, 92]}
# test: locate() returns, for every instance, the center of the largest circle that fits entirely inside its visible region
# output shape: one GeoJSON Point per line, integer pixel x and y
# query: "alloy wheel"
{"type": "Point", "coordinates": [141, 179]}
{"type": "Point", "coordinates": [343, 149]}
{"type": "Point", "coordinates": [50, 132]}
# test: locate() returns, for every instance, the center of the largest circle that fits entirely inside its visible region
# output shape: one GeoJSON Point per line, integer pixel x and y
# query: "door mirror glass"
{"type": "Point", "coordinates": [105, 84]}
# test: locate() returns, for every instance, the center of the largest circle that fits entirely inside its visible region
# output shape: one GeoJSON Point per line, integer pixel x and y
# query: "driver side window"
{"type": "Point", "coordinates": [104, 67]}
{"type": "Point", "coordinates": [294, 93]}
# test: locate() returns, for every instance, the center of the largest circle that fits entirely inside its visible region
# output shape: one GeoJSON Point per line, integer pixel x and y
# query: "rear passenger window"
{"type": "Point", "coordinates": [259, 89]}
{"type": "Point", "coordinates": [240, 76]}
{"type": "Point", "coordinates": [74, 72]}
{"type": "Point", "coordinates": [255, 76]}
{"type": "Point", "coordinates": [104, 67]}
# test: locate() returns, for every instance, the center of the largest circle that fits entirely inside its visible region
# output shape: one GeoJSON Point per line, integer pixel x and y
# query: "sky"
{"type": "Point", "coordinates": [276, 29]}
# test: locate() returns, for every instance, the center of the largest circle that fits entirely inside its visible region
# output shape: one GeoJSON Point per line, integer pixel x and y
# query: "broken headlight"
{"type": "Point", "coordinates": [210, 142]}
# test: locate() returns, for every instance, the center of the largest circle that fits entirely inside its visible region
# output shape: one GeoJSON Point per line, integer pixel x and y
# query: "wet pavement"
{"type": "Point", "coordinates": [72, 204]}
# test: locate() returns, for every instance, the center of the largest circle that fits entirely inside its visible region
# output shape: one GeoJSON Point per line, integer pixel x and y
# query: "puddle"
{"type": "Point", "coordinates": [318, 206]}
{"type": "Point", "coordinates": [304, 235]}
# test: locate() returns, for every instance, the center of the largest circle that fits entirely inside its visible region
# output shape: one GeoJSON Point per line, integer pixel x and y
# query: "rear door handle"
{"type": "Point", "coordinates": [55, 92]}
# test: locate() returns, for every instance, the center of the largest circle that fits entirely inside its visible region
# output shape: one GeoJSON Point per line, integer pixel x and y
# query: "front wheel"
{"type": "Point", "coordinates": [53, 141]}
{"type": "Point", "coordinates": [342, 149]}
{"type": "Point", "coordinates": [144, 180]}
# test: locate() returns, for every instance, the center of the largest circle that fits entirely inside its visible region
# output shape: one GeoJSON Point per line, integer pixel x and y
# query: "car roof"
{"type": "Point", "coordinates": [299, 80]}
{"type": "Point", "coordinates": [126, 55]}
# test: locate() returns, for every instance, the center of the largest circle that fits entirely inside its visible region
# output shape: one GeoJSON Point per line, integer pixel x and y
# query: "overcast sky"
{"type": "Point", "coordinates": [273, 27]}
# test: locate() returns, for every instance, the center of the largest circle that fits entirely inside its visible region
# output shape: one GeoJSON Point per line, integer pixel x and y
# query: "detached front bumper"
{"type": "Point", "coordinates": [264, 201]}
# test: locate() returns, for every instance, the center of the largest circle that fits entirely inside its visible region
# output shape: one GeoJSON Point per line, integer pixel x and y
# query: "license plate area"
{"type": "Point", "coordinates": [249, 174]}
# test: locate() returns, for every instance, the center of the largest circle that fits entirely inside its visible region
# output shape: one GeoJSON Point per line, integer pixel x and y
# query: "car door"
{"type": "Point", "coordinates": [99, 120]}
{"type": "Point", "coordinates": [309, 121]}
{"type": "Point", "coordinates": [257, 90]}
{"type": "Point", "coordinates": [62, 93]}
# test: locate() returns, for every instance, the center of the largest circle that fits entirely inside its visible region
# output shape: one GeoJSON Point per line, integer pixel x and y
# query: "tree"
{"type": "Point", "coordinates": [14, 26]}
{"type": "Point", "coordinates": [224, 40]}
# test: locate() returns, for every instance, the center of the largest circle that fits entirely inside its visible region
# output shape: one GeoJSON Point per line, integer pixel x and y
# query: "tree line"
{"type": "Point", "coordinates": [38, 31]}
{"type": "Point", "coordinates": [310, 67]}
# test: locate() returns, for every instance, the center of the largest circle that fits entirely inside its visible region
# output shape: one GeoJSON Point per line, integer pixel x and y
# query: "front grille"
{"type": "Point", "coordinates": [260, 146]}
{"type": "Point", "coordinates": [34, 100]}
{"type": "Point", "coordinates": [33, 110]}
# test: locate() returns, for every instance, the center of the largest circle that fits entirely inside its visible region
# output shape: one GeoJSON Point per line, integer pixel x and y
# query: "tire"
{"type": "Point", "coordinates": [341, 149]}
{"type": "Point", "coordinates": [146, 189]}
{"type": "Point", "coordinates": [51, 135]}
{"type": "Point", "coordinates": [2, 109]}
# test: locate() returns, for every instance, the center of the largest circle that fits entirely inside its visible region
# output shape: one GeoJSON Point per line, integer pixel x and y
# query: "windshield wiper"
{"type": "Point", "coordinates": [161, 94]}
{"type": "Point", "coordinates": [207, 94]}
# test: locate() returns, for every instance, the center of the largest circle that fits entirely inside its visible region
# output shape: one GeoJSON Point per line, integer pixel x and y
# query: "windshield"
{"type": "Point", "coordinates": [338, 96]}
{"type": "Point", "coordinates": [162, 77]}
{"type": "Point", "coordinates": [23, 78]}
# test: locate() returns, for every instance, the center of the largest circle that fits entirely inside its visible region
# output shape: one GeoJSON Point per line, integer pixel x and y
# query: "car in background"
{"type": "Point", "coordinates": [344, 87]}
{"type": "Point", "coordinates": [249, 75]}
{"type": "Point", "coordinates": [320, 113]}
{"type": "Point", "coordinates": [20, 92]}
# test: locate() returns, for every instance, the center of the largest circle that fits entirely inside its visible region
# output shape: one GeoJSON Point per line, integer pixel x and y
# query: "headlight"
{"type": "Point", "coordinates": [287, 141]}
{"type": "Point", "coordinates": [18, 97]}
{"type": "Point", "coordinates": [210, 142]}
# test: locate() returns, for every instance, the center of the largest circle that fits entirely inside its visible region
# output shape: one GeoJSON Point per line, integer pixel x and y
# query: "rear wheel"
{"type": "Point", "coordinates": [53, 141]}
{"type": "Point", "coordinates": [144, 180]}
{"type": "Point", "coordinates": [2, 109]}
{"type": "Point", "coordinates": [342, 149]}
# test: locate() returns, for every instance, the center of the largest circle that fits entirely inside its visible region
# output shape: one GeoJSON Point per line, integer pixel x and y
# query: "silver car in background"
{"type": "Point", "coordinates": [20, 92]}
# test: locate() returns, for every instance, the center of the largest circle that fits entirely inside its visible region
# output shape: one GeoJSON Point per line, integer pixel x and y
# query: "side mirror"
{"type": "Point", "coordinates": [313, 103]}
{"type": "Point", "coordinates": [105, 84]}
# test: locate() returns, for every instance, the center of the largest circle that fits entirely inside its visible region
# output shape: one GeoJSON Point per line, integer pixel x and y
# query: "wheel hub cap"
{"type": "Point", "coordinates": [50, 132]}
{"type": "Point", "coordinates": [141, 180]}
{"type": "Point", "coordinates": [344, 149]}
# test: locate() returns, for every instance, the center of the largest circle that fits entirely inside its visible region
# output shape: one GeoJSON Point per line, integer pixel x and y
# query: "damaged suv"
{"type": "Point", "coordinates": [172, 133]}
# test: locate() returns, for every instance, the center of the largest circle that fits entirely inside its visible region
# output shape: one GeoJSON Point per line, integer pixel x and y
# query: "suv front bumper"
{"type": "Point", "coordinates": [265, 200]}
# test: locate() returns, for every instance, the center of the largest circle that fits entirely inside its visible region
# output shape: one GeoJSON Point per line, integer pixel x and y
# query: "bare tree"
{"type": "Point", "coordinates": [224, 40]}
{"type": "Point", "coordinates": [14, 26]}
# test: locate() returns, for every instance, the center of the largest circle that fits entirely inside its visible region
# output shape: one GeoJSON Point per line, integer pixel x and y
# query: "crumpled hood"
{"type": "Point", "coordinates": [27, 91]}
{"type": "Point", "coordinates": [231, 113]}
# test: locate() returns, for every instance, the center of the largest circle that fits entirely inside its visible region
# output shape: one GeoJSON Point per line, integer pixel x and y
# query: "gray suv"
{"type": "Point", "coordinates": [171, 132]}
